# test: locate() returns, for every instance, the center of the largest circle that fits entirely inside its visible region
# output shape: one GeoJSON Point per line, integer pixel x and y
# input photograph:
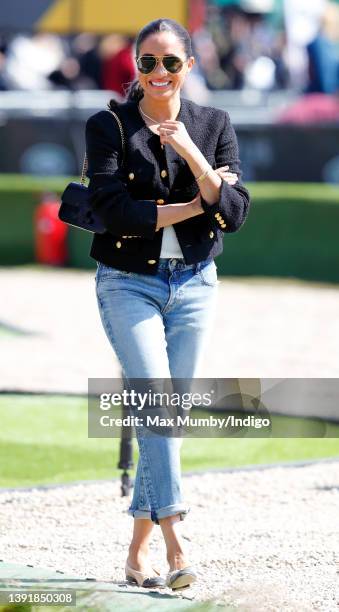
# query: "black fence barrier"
{"type": "Point", "coordinates": [54, 146]}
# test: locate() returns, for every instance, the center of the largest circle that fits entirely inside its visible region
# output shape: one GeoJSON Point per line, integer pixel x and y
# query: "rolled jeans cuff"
{"type": "Point", "coordinates": [161, 513]}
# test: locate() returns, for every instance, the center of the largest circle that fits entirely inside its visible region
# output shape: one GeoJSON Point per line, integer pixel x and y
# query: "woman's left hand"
{"type": "Point", "coordinates": [230, 177]}
{"type": "Point", "coordinates": [175, 134]}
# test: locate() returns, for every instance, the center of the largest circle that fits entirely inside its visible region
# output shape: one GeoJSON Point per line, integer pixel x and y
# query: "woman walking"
{"type": "Point", "coordinates": [166, 208]}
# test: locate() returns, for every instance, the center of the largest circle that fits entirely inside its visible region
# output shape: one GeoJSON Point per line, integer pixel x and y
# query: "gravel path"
{"type": "Point", "coordinates": [265, 328]}
{"type": "Point", "coordinates": [263, 540]}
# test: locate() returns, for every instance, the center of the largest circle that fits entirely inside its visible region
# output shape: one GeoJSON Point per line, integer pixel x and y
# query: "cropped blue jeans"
{"type": "Point", "coordinates": [158, 327]}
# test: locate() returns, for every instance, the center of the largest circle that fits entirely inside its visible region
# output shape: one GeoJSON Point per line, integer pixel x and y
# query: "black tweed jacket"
{"type": "Point", "coordinates": [126, 198]}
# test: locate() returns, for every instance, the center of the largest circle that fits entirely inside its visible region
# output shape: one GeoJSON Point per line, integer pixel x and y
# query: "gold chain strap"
{"type": "Point", "coordinates": [85, 162]}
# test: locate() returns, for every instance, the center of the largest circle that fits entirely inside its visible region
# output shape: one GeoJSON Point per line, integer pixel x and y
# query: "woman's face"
{"type": "Point", "coordinates": [159, 44]}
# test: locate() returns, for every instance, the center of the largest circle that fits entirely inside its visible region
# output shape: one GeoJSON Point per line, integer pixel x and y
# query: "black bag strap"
{"type": "Point", "coordinates": [123, 144]}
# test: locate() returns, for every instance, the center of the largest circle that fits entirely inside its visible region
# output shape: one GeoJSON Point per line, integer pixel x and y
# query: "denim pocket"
{"type": "Point", "coordinates": [108, 272]}
{"type": "Point", "coordinates": [208, 273]}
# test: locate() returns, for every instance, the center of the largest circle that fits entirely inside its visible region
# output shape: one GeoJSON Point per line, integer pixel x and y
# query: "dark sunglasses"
{"type": "Point", "coordinates": [147, 63]}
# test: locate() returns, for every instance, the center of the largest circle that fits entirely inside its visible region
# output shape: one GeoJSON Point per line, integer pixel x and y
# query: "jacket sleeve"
{"type": "Point", "coordinates": [109, 196]}
{"type": "Point", "coordinates": [231, 210]}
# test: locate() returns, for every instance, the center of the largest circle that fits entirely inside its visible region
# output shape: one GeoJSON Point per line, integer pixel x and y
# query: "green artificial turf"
{"type": "Point", "coordinates": [43, 439]}
{"type": "Point", "coordinates": [313, 192]}
{"type": "Point", "coordinates": [22, 182]}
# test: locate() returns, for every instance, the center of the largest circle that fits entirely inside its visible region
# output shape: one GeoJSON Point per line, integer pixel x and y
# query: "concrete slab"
{"type": "Point", "coordinates": [105, 595]}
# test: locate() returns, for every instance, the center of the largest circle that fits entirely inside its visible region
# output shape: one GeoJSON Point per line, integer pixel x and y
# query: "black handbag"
{"type": "Point", "coordinates": [75, 208]}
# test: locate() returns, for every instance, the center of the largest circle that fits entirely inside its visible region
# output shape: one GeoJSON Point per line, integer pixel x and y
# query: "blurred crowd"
{"type": "Point", "coordinates": [234, 50]}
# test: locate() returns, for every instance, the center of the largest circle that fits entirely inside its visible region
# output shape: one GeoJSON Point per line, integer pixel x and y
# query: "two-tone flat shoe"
{"type": "Point", "coordinates": [144, 580]}
{"type": "Point", "coordinates": [181, 579]}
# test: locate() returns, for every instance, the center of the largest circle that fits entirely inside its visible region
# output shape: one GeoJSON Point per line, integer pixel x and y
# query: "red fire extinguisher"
{"type": "Point", "coordinates": [49, 232]}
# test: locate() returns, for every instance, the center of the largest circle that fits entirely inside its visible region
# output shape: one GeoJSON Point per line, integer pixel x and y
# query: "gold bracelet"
{"type": "Point", "coordinates": [202, 176]}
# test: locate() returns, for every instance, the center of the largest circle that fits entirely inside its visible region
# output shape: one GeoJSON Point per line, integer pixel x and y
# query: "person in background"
{"type": "Point", "coordinates": [323, 54]}
{"type": "Point", "coordinates": [31, 59]}
{"type": "Point", "coordinates": [3, 81]}
{"type": "Point", "coordinates": [85, 48]}
{"type": "Point", "coordinates": [118, 68]}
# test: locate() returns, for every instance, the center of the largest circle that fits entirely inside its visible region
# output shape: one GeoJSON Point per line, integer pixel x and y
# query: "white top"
{"type": "Point", "coordinates": [170, 246]}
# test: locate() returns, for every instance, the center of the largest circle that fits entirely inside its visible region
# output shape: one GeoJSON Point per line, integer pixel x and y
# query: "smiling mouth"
{"type": "Point", "coordinates": [160, 84]}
